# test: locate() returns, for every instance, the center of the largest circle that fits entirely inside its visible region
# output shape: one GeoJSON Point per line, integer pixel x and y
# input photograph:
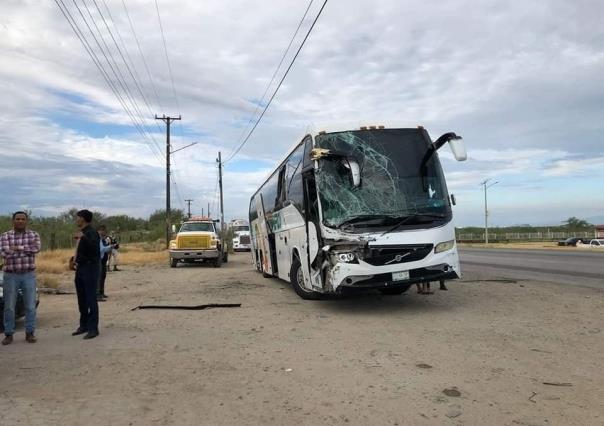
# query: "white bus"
{"type": "Point", "coordinates": [357, 209]}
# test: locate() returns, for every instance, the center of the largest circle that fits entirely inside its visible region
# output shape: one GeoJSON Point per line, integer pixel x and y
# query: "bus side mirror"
{"type": "Point", "coordinates": [458, 148]}
{"type": "Point", "coordinates": [355, 171]}
{"type": "Point", "coordinates": [453, 200]}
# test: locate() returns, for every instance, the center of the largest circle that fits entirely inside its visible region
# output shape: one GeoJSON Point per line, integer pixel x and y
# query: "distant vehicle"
{"type": "Point", "coordinates": [241, 235]}
{"type": "Point", "coordinates": [357, 209]}
{"type": "Point", "coordinates": [19, 306]}
{"type": "Point", "coordinates": [572, 241]}
{"type": "Point", "coordinates": [198, 240]}
{"type": "Point", "coordinates": [598, 243]}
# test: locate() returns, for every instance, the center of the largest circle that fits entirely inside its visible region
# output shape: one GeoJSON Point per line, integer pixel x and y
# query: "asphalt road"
{"type": "Point", "coordinates": [581, 268]}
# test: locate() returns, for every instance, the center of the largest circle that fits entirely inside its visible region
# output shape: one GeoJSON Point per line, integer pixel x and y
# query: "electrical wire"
{"type": "Point", "coordinates": [93, 56]}
{"type": "Point", "coordinates": [278, 86]}
{"type": "Point", "coordinates": [268, 86]}
{"type": "Point", "coordinates": [140, 51]}
{"type": "Point", "coordinates": [120, 78]}
{"type": "Point", "coordinates": [115, 70]}
{"type": "Point", "coordinates": [131, 69]}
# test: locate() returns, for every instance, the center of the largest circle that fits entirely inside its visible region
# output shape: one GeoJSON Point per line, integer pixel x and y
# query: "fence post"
{"type": "Point", "coordinates": [53, 241]}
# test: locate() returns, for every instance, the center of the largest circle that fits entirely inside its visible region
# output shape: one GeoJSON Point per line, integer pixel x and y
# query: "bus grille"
{"type": "Point", "coordinates": [392, 255]}
{"type": "Point", "coordinates": [244, 239]}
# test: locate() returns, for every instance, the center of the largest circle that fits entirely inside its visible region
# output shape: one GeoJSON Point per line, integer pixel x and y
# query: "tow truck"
{"type": "Point", "coordinates": [198, 240]}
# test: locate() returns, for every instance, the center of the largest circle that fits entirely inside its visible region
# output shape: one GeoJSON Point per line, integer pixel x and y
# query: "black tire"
{"type": "Point", "coordinates": [173, 263]}
{"type": "Point", "coordinates": [295, 274]}
{"type": "Point", "coordinates": [218, 262]}
{"type": "Point", "coordinates": [394, 291]}
{"type": "Point", "coordinates": [225, 257]}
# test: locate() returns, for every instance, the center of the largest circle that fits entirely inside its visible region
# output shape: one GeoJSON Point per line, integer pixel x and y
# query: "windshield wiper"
{"type": "Point", "coordinates": [361, 219]}
{"type": "Point", "coordinates": [416, 216]}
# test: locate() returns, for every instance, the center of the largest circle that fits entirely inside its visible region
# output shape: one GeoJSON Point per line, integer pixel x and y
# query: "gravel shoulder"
{"type": "Point", "coordinates": [477, 354]}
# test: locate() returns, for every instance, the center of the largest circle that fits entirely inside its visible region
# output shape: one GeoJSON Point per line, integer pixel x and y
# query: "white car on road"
{"type": "Point", "coordinates": [595, 243]}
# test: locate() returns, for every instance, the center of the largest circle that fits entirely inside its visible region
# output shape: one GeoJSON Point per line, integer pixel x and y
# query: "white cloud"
{"type": "Point", "coordinates": [522, 82]}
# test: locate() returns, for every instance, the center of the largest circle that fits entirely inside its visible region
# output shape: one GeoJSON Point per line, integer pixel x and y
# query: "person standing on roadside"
{"type": "Point", "coordinates": [105, 248]}
{"type": "Point", "coordinates": [114, 256]}
{"type": "Point", "coordinates": [18, 249]}
{"type": "Point", "coordinates": [88, 268]}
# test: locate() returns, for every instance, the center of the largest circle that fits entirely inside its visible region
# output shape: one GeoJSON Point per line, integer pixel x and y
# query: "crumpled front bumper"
{"type": "Point", "coordinates": [435, 267]}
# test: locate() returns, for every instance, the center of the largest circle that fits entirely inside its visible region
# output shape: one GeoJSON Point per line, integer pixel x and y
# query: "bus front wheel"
{"type": "Point", "coordinates": [296, 277]}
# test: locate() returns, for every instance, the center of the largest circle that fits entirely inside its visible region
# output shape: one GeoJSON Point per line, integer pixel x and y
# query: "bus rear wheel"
{"type": "Point", "coordinates": [296, 277]}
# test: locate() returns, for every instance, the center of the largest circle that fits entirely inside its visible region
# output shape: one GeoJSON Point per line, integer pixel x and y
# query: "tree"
{"type": "Point", "coordinates": [576, 223]}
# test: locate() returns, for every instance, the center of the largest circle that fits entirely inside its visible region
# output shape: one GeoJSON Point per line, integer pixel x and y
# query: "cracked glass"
{"type": "Point", "coordinates": [393, 185]}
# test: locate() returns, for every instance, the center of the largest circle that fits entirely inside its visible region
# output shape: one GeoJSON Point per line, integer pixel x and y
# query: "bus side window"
{"type": "Point", "coordinates": [280, 189]}
{"type": "Point", "coordinates": [307, 148]}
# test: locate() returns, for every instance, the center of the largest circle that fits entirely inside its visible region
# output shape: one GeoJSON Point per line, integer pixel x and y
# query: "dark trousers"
{"type": "Point", "coordinates": [102, 278]}
{"type": "Point", "coordinates": [86, 281]}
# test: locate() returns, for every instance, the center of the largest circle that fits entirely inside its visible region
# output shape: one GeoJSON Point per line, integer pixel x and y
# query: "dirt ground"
{"type": "Point", "coordinates": [478, 354]}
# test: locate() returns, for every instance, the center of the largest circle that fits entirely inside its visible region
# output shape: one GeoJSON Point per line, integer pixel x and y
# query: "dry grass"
{"type": "Point", "coordinates": [52, 265]}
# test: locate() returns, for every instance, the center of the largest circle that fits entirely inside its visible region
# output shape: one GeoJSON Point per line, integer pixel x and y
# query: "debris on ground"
{"type": "Point", "coordinates": [189, 308]}
{"type": "Point", "coordinates": [557, 384]}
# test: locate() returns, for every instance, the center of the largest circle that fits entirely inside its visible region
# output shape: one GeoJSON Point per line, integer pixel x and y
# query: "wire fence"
{"type": "Point", "coordinates": [525, 236]}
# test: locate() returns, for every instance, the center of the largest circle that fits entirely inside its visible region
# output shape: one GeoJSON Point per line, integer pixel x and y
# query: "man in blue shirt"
{"type": "Point", "coordinates": [105, 247]}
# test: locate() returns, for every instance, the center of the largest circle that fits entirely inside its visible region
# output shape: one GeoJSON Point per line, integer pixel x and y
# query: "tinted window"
{"type": "Point", "coordinates": [270, 193]}
{"type": "Point", "coordinates": [295, 191]}
{"type": "Point", "coordinates": [197, 227]}
{"type": "Point", "coordinates": [253, 212]}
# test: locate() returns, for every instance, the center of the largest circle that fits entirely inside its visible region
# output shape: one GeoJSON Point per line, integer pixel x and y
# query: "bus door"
{"type": "Point", "coordinates": [263, 238]}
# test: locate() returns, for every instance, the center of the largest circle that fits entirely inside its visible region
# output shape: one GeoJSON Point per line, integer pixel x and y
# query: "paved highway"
{"type": "Point", "coordinates": [582, 268]}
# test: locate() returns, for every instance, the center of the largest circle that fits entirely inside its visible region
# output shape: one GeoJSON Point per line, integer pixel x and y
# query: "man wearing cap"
{"type": "Point", "coordinates": [88, 268]}
{"type": "Point", "coordinates": [18, 249]}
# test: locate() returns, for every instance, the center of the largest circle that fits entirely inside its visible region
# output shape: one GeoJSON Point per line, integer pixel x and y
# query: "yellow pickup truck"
{"type": "Point", "coordinates": [198, 240]}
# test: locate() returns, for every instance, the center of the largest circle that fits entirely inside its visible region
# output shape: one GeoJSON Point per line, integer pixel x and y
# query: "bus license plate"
{"type": "Point", "coordinates": [399, 276]}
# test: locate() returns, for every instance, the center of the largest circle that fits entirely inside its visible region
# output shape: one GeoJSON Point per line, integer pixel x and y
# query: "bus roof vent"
{"type": "Point", "coordinates": [373, 127]}
{"type": "Point", "coordinates": [381, 127]}
{"type": "Point", "coordinates": [322, 132]}
{"type": "Point", "coordinates": [363, 127]}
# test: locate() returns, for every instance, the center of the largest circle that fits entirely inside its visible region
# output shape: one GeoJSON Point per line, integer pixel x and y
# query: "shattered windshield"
{"type": "Point", "coordinates": [393, 185]}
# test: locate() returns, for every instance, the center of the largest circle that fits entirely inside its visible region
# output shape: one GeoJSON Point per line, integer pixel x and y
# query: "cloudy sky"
{"type": "Point", "coordinates": [522, 82]}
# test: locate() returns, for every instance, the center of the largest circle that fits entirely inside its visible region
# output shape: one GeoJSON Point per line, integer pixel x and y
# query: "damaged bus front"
{"type": "Point", "coordinates": [364, 208]}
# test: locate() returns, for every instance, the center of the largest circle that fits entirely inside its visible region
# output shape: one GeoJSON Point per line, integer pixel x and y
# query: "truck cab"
{"type": "Point", "coordinates": [241, 235]}
{"type": "Point", "coordinates": [198, 241]}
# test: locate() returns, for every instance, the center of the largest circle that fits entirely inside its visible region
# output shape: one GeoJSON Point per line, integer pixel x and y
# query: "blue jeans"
{"type": "Point", "coordinates": [27, 284]}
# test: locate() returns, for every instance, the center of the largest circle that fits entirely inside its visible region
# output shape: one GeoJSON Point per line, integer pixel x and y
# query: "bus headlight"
{"type": "Point", "coordinates": [447, 245]}
{"type": "Point", "coordinates": [346, 257]}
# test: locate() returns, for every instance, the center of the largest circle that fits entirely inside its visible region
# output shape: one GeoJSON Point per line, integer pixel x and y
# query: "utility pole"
{"type": "Point", "coordinates": [167, 120]}
{"type": "Point", "coordinates": [219, 161]}
{"type": "Point", "coordinates": [486, 186]}
{"type": "Point", "coordinates": [189, 208]}
{"type": "Point", "coordinates": [209, 214]}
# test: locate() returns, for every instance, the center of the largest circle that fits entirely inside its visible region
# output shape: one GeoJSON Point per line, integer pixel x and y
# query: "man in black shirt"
{"type": "Point", "coordinates": [88, 267]}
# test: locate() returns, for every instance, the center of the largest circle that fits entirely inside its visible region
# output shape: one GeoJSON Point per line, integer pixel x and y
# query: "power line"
{"type": "Point", "coordinates": [140, 51]}
{"type": "Point", "coordinates": [121, 81]}
{"type": "Point", "coordinates": [131, 70]}
{"type": "Point", "coordinates": [259, 103]}
{"type": "Point", "coordinates": [88, 48]}
{"type": "Point", "coordinates": [278, 86]}
{"type": "Point", "coordinates": [161, 28]}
